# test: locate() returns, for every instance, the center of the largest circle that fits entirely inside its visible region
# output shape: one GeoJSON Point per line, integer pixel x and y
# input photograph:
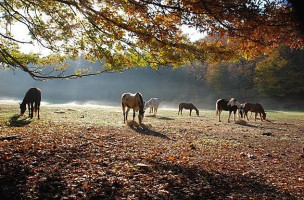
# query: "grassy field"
{"type": "Point", "coordinates": [87, 152]}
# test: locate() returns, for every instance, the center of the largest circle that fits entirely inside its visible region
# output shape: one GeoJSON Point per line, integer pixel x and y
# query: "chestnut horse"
{"type": "Point", "coordinates": [187, 106]}
{"type": "Point", "coordinates": [32, 99]}
{"type": "Point", "coordinates": [256, 108]}
{"type": "Point", "coordinates": [231, 105]}
{"type": "Point", "coordinates": [134, 101]}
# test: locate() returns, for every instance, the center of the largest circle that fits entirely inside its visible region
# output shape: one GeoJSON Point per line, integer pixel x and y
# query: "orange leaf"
{"type": "Point", "coordinates": [171, 158]}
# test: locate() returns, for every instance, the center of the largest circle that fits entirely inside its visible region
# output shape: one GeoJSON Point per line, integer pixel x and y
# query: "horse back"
{"type": "Point", "coordinates": [130, 100]}
{"type": "Point", "coordinates": [221, 104]}
{"type": "Point", "coordinates": [259, 108]}
{"type": "Point", "coordinates": [32, 95]}
{"type": "Point", "coordinates": [253, 107]}
{"type": "Point", "coordinates": [186, 106]}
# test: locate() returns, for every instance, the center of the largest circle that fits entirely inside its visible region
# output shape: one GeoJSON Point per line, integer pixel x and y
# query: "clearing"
{"type": "Point", "coordinates": [86, 152]}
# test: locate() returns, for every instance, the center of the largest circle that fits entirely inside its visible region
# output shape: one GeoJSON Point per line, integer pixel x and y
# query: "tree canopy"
{"type": "Point", "coordinates": [121, 34]}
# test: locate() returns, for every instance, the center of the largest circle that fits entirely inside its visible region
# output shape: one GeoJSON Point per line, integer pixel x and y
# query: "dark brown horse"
{"type": "Point", "coordinates": [256, 108]}
{"type": "Point", "coordinates": [32, 99]}
{"type": "Point", "coordinates": [134, 101]}
{"type": "Point", "coordinates": [187, 106]}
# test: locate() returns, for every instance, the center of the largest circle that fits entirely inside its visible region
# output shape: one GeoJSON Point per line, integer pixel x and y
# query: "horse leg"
{"type": "Point", "coordinates": [38, 109]}
{"type": "Point", "coordinates": [246, 114]}
{"type": "Point", "coordinates": [32, 110]}
{"type": "Point", "coordinates": [261, 116]}
{"type": "Point", "coordinates": [29, 110]}
{"type": "Point", "coordinates": [133, 114]}
{"type": "Point", "coordinates": [123, 112]}
{"type": "Point", "coordinates": [37, 105]}
{"type": "Point", "coordinates": [229, 116]}
{"type": "Point", "coordinates": [219, 115]}
{"type": "Point", "coordinates": [127, 112]}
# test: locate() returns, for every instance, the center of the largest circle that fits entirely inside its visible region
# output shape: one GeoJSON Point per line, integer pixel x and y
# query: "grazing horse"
{"type": "Point", "coordinates": [256, 108]}
{"type": "Point", "coordinates": [134, 101]}
{"type": "Point", "coordinates": [32, 99]}
{"type": "Point", "coordinates": [187, 106]}
{"type": "Point", "coordinates": [153, 104]}
{"type": "Point", "coordinates": [227, 105]}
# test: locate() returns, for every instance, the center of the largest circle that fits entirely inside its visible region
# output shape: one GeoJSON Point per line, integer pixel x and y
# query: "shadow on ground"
{"type": "Point", "coordinates": [146, 130]}
{"type": "Point", "coordinates": [18, 121]}
{"type": "Point", "coordinates": [177, 181]}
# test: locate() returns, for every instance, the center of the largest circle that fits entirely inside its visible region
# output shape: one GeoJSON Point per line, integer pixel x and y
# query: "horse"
{"type": "Point", "coordinates": [134, 101]}
{"type": "Point", "coordinates": [187, 106]}
{"type": "Point", "coordinates": [256, 108]}
{"type": "Point", "coordinates": [153, 104]}
{"type": "Point", "coordinates": [231, 105]}
{"type": "Point", "coordinates": [32, 98]}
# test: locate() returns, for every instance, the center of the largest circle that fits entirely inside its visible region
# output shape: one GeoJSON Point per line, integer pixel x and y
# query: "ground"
{"type": "Point", "coordinates": [86, 152]}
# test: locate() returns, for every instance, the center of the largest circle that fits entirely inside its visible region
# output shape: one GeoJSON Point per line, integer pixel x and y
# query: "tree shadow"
{"type": "Point", "coordinates": [13, 182]}
{"type": "Point", "coordinates": [12, 179]}
{"type": "Point", "coordinates": [17, 121]}
{"type": "Point", "coordinates": [197, 183]}
{"type": "Point", "coordinates": [176, 181]}
{"type": "Point", "coordinates": [143, 129]}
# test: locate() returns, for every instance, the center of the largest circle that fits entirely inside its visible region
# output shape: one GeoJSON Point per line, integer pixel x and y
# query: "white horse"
{"type": "Point", "coordinates": [134, 101]}
{"type": "Point", "coordinates": [153, 104]}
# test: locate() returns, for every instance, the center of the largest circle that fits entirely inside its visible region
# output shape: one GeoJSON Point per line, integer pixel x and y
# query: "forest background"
{"type": "Point", "coordinates": [276, 80]}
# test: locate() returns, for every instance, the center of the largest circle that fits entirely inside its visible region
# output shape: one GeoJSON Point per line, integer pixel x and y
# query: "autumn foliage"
{"type": "Point", "coordinates": [121, 34]}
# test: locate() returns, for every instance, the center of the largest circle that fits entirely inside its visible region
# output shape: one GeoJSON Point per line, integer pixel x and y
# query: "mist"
{"type": "Point", "coordinates": [171, 86]}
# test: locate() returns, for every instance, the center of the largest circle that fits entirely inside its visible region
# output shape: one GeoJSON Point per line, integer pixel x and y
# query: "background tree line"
{"type": "Point", "coordinates": [278, 77]}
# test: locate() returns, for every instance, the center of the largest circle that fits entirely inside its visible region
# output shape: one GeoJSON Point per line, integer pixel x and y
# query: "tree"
{"type": "Point", "coordinates": [120, 34]}
{"type": "Point", "coordinates": [281, 73]}
{"type": "Point", "coordinates": [232, 78]}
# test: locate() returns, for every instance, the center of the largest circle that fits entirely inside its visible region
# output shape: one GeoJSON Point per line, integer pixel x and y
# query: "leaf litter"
{"type": "Point", "coordinates": [166, 157]}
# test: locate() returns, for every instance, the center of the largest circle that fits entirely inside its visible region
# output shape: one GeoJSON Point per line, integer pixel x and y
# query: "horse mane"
{"type": "Point", "coordinates": [141, 106]}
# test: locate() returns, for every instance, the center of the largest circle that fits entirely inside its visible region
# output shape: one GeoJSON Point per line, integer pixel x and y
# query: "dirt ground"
{"type": "Point", "coordinates": [87, 152]}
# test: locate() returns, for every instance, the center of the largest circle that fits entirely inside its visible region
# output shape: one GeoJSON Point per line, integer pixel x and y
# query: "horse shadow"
{"type": "Point", "coordinates": [144, 129]}
{"type": "Point", "coordinates": [165, 118]}
{"type": "Point", "coordinates": [17, 121]}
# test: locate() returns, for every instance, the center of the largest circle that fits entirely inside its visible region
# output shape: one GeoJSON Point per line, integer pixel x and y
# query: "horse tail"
{"type": "Point", "coordinates": [216, 108]}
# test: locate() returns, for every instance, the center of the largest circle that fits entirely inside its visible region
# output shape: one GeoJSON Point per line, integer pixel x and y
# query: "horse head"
{"type": "Point", "coordinates": [264, 116]}
{"type": "Point", "coordinates": [197, 112]}
{"type": "Point", "coordinates": [22, 108]}
{"type": "Point", "coordinates": [141, 115]}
